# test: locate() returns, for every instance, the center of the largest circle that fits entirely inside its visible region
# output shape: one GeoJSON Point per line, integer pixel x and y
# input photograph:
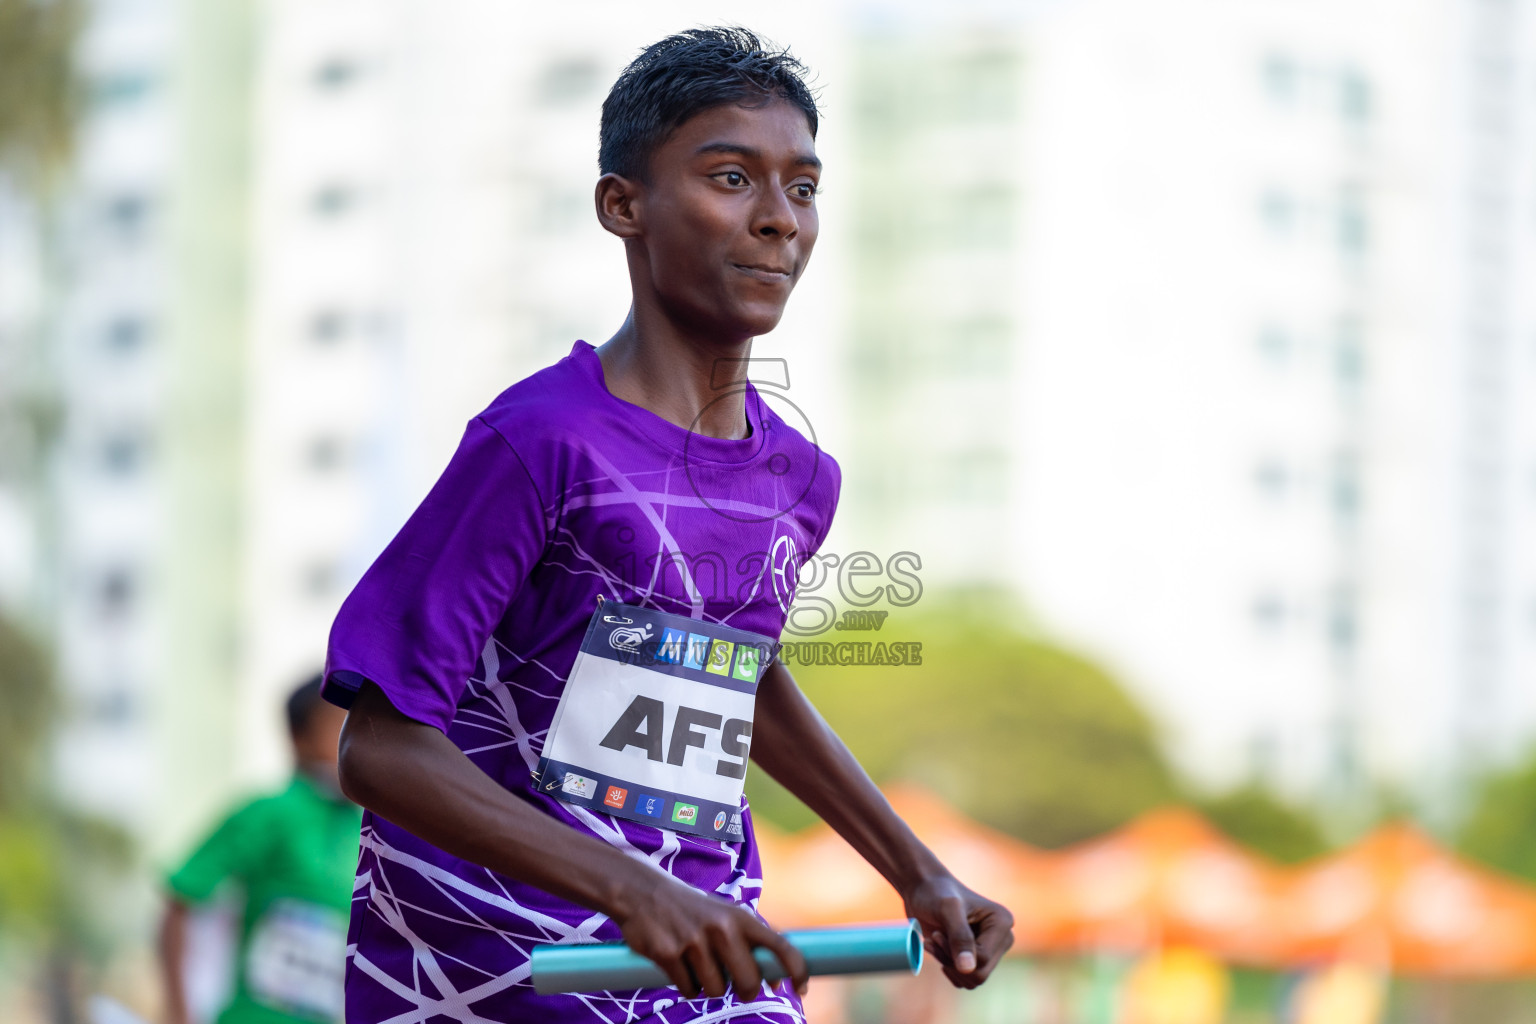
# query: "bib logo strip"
{"type": "Point", "coordinates": [655, 724]}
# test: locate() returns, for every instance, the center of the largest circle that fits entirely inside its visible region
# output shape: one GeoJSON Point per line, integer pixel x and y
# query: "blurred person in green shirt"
{"type": "Point", "coordinates": [291, 857]}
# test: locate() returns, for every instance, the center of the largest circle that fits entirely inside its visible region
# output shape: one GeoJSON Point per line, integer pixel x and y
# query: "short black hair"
{"type": "Point", "coordinates": [681, 77]}
{"type": "Point", "coordinates": [302, 704]}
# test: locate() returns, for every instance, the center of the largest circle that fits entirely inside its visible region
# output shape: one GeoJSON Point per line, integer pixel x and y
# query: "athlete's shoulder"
{"type": "Point", "coordinates": [552, 400]}
{"type": "Point", "coordinates": [795, 437]}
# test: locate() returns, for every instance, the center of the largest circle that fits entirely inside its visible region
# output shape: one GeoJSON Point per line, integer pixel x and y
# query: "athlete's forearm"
{"type": "Point", "coordinates": [173, 949]}
{"type": "Point", "coordinates": [796, 746]}
{"type": "Point", "coordinates": [414, 776]}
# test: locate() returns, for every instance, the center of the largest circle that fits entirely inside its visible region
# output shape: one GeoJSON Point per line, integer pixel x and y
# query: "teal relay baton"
{"type": "Point", "coordinates": [614, 967]}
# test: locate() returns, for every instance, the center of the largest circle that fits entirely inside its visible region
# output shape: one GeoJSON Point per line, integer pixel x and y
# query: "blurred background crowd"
{"type": "Point", "coordinates": [1180, 358]}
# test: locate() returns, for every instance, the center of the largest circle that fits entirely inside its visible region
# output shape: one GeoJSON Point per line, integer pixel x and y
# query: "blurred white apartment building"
{"type": "Point", "coordinates": [1199, 324]}
{"type": "Point", "coordinates": [1195, 323]}
{"type": "Point", "coordinates": [106, 350]}
{"type": "Point", "coordinates": [129, 305]}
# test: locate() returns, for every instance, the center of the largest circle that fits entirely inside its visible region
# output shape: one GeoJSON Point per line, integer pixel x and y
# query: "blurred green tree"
{"type": "Point", "coordinates": [1500, 829]}
{"type": "Point", "coordinates": [1257, 818]}
{"type": "Point", "coordinates": [1017, 732]}
{"type": "Point", "coordinates": [40, 103]}
{"type": "Point", "coordinates": [61, 871]}
{"type": "Point", "coordinates": [39, 95]}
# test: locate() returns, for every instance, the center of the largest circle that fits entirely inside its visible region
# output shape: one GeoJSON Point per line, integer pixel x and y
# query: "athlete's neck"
{"type": "Point", "coordinates": [688, 380]}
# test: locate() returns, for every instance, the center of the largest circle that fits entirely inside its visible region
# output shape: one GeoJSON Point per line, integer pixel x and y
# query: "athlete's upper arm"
{"type": "Point", "coordinates": [419, 618]}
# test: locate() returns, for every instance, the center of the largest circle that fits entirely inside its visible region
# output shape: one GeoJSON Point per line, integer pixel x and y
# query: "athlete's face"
{"type": "Point", "coordinates": [725, 224]}
{"type": "Point", "coordinates": [315, 746]}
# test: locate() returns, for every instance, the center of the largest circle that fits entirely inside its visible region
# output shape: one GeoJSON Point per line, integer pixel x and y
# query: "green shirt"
{"type": "Point", "coordinates": [292, 855]}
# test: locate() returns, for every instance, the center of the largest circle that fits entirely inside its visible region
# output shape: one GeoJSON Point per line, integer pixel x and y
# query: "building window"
{"type": "Point", "coordinates": [121, 88]}
{"type": "Point", "coordinates": [1268, 611]}
{"type": "Point", "coordinates": [1274, 343]}
{"type": "Point", "coordinates": [332, 200]}
{"type": "Point", "coordinates": [983, 87]}
{"type": "Point", "coordinates": [117, 706]}
{"type": "Point", "coordinates": [981, 347]}
{"type": "Point", "coordinates": [563, 210]}
{"type": "Point", "coordinates": [1349, 354]}
{"type": "Point", "coordinates": [325, 454]}
{"type": "Point", "coordinates": [1280, 78]}
{"type": "Point", "coordinates": [327, 327]}
{"type": "Point", "coordinates": [1343, 621]}
{"type": "Point", "coordinates": [1345, 487]}
{"type": "Point", "coordinates": [975, 476]}
{"type": "Point", "coordinates": [1278, 210]}
{"type": "Point", "coordinates": [318, 579]}
{"type": "Point", "coordinates": [114, 592]}
{"type": "Point", "coordinates": [983, 217]}
{"type": "Point", "coordinates": [1272, 478]}
{"type": "Point", "coordinates": [335, 73]}
{"type": "Point", "coordinates": [127, 216]}
{"type": "Point", "coordinates": [124, 453]}
{"type": "Point", "coordinates": [1354, 98]}
{"type": "Point", "coordinates": [1352, 223]}
{"type": "Point", "coordinates": [568, 80]}
{"type": "Point", "coordinates": [125, 334]}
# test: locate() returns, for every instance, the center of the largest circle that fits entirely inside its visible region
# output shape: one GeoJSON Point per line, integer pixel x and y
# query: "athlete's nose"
{"type": "Point", "coordinates": [774, 217]}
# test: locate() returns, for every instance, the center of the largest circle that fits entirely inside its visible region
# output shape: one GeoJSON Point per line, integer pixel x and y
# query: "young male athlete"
{"type": "Point", "coordinates": [290, 855]}
{"type": "Point", "coordinates": [551, 669]}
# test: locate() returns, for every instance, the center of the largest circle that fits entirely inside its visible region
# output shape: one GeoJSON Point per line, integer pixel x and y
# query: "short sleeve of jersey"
{"type": "Point", "coordinates": [226, 854]}
{"type": "Point", "coordinates": [417, 621]}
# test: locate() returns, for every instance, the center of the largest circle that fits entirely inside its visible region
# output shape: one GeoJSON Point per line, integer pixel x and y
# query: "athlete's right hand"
{"type": "Point", "coordinates": [702, 940]}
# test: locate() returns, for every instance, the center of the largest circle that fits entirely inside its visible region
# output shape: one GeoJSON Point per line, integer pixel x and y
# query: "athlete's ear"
{"type": "Point", "coordinates": [617, 201]}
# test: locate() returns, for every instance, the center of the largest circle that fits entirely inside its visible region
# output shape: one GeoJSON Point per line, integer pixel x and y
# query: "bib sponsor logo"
{"type": "Point", "coordinates": [685, 814]}
{"type": "Point", "coordinates": [670, 650]}
{"type": "Point", "coordinates": [698, 650]}
{"type": "Point", "coordinates": [579, 785]}
{"type": "Point", "coordinates": [720, 658]}
{"type": "Point", "coordinates": [719, 821]}
{"type": "Point", "coordinates": [615, 797]}
{"type": "Point", "coordinates": [746, 664]}
{"type": "Point", "coordinates": [629, 638]}
{"type": "Point", "coordinates": [650, 806]}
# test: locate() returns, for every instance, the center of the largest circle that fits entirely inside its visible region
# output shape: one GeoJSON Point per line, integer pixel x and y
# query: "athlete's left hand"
{"type": "Point", "coordinates": [967, 933]}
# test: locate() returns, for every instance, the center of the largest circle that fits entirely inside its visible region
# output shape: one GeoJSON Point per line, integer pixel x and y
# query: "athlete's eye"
{"type": "Point", "coordinates": [803, 190]}
{"type": "Point", "coordinates": [735, 179]}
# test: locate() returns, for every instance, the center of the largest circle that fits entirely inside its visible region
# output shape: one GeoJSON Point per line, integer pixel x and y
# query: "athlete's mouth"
{"type": "Point", "coordinates": [764, 272]}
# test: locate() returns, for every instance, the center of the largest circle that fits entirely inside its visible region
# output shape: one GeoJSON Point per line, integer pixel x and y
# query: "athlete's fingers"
{"type": "Point", "coordinates": [965, 981]}
{"type": "Point", "coordinates": [995, 939]}
{"type": "Point", "coordinates": [792, 959]}
{"type": "Point", "coordinates": [735, 953]}
{"type": "Point", "coordinates": [701, 959]}
{"type": "Point", "coordinates": [957, 934]}
{"type": "Point", "coordinates": [672, 963]}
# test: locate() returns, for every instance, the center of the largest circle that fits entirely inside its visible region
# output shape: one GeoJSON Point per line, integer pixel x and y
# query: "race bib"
{"type": "Point", "coordinates": [296, 960]}
{"type": "Point", "coordinates": [656, 721]}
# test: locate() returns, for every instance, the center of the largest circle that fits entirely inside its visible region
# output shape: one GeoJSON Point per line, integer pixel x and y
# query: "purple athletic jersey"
{"type": "Point", "coordinates": [470, 621]}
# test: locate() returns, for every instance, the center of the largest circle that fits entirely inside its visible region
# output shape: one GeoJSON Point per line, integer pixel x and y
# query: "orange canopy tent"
{"type": "Point", "coordinates": [1398, 901]}
{"type": "Point", "coordinates": [1394, 901]}
{"type": "Point", "coordinates": [814, 878]}
{"type": "Point", "coordinates": [1170, 879]}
